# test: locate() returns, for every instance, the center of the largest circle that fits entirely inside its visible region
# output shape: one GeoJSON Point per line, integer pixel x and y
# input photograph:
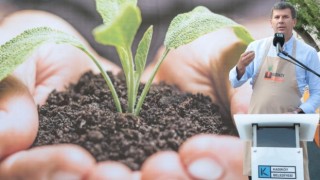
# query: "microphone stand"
{"type": "Point", "coordinates": [298, 62]}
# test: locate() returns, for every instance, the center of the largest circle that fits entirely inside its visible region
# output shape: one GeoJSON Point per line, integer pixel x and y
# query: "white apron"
{"type": "Point", "coordinates": [275, 91]}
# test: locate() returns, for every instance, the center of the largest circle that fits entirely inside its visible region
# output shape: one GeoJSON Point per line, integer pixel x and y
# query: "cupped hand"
{"type": "Point", "coordinates": [203, 67]}
{"type": "Point", "coordinates": [61, 162]}
{"type": "Point", "coordinates": [200, 157]}
{"type": "Point", "coordinates": [49, 67]}
{"type": "Point", "coordinates": [18, 117]}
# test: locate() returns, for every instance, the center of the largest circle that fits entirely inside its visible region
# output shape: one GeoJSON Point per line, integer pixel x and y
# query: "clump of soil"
{"type": "Point", "coordinates": [85, 114]}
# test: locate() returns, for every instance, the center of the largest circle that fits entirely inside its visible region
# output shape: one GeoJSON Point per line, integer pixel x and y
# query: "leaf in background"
{"type": "Point", "coordinates": [122, 29]}
{"type": "Point", "coordinates": [187, 27]}
{"type": "Point", "coordinates": [109, 9]}
{"type": "Point", "coordinates": [243, 34]}
{"type": "Point", "coordinates": [16, 51]}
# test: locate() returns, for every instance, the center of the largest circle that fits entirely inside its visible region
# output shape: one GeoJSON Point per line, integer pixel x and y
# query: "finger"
{"type": "Point", "coordinates": [136, 175]}
{"type": "Point", "coordinates": [110, 171]}
{"type": "Point", "coordinates": [48, 162]}
{"type": "Point", "coordinates": [213, 157]}
{"type": "Point", "coordinates": [247, 53]}
{"type": "Point", "coordinates": [162, 166]}
{"type": "Point", "coordinates": [247, 57]}
{"type": "Point", "coordinates": [18, 117]}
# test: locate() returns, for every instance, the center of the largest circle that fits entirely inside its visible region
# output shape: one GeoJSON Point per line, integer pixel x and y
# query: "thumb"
{"type": "Point", "coordinates": [213, 157]}
{"type": "Point", "coordinates": [18, 117]}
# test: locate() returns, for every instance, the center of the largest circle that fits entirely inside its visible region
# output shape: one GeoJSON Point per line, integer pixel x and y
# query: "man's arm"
{"type": "Point", "coordinates": [236, 74]}
{"type": "Point", "coordinates": [245, 59]}
{"type": "Point", "coordinates": [313, 81]}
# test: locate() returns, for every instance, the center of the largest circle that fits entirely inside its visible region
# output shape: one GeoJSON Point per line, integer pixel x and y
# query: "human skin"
{"type": "Point", "coordinates": [17, 131]}
{"type": "Point", "coordinates": [204, 64]}
{"type": "Point", "coordinates": [281, 21]}
{"type": "Point", "coordinates": [200, 157]}
{"type": "Point", "coordinates": [203, 67]}
{"type": "Point", "coordinates": [50, 67]}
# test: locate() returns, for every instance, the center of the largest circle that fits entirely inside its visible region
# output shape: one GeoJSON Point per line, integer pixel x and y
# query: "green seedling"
{"type": "Point", "coordinates": [121, 21]}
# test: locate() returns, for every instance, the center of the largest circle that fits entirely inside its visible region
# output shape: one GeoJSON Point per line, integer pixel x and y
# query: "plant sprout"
{"type": "Point", "coordinates": [121, 21]}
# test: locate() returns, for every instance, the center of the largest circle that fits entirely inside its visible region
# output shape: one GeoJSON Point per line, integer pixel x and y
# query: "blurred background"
{"type": "Point", "coordinates": [83, 16]}
{"type": "Point", "coordinates": [254, 15]}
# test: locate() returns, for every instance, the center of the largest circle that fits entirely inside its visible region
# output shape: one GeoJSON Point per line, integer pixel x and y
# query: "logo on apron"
{"type": "Point", "coordinates": [277, 77]}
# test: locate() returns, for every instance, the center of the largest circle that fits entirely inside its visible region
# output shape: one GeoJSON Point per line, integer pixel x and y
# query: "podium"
{"type": "Point", "coordinates": [276, 152]}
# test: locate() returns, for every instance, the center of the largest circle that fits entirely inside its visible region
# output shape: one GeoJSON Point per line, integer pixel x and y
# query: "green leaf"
{"type": "Point", "coordinates": [17, 50]}
{"type": "Point", "coordinates": [187, 27]}
{"type": "Point", "coordinates": [243, 34]}
{"type": "Point", "coordinates": [109, 9]}
{"type": "Point", "coordinates": [141, 57]}
{"type": "Point", "coordinates": [120, 32]}
{"type": "Point", "coordinates": [143, 50]}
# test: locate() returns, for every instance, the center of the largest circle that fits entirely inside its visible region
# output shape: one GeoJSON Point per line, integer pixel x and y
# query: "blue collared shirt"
{"type": "Point", "coordinates": [304, 53]}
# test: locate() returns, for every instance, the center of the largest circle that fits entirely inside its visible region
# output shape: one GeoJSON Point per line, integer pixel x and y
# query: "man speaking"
{"type": "Point", "coordinates": [278, 83]}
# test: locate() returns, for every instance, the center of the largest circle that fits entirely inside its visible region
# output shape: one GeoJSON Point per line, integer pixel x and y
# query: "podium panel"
{"type": "Point", "coordinates": [308, 123]}
{"type": "Point", "coordinates": [277, 163]}
{"type": "Point", "coordinates": [276, 136]}
{"type": "Point", "coordinates": [276, 154]}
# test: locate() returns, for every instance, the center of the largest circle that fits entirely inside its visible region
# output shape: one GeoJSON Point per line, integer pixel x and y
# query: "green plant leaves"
{"type": "Point", "coordinates": [243, 34]}
{"type": "Point", "coordinates": [187, 27]}
{"type": "Point", "coordinates": [122, 19]}
{"type": "Point", "coordinates": [143, 50]}
{"type": "Point", "coordinates": [17, 50]}
{"type": "Point", "coordinates": [121, 22]}
{"type": "Point", "coordinates": [141, 57]}
{"type": "Point", "coordinates": [109, 9]}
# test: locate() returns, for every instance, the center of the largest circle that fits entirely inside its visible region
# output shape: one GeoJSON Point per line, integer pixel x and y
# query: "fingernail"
{"type": "Point", "coordinates": [65, 175]}
{"type": "Point", "coordinates": [206, 169]}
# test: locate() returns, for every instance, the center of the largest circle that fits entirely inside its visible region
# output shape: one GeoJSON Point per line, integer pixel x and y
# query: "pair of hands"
{"type": "Point", "coordinates": [203, 66]}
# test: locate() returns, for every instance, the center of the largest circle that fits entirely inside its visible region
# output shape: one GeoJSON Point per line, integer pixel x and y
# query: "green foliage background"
{"type": "Point", "coordinates": [308, 25]}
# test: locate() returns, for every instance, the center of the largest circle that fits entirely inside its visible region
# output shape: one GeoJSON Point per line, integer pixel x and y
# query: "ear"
{"type": "Point", "coordinates": [270, 21]}
{"type": "Point", "coordinates": [294, 22]}
{"type": "Point", "coordinates": [271, 25]}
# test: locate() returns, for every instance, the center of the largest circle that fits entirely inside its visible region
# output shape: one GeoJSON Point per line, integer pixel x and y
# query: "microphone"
{"type": "Point", "coordinates": [278, 42]}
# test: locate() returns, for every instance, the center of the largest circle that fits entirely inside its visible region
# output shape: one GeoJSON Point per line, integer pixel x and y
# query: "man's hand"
{"type": "Point", "coordinates": [245, 59]}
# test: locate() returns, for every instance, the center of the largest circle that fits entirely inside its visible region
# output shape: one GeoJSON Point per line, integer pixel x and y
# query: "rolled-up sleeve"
{"type": "Point", "coordinates": [313, 82]}
{"type": "Point", "coordinates": [235, 82]}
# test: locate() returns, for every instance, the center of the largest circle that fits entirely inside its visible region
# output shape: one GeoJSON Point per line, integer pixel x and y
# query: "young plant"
{"type": "Point", "coordinates": [121, 21]}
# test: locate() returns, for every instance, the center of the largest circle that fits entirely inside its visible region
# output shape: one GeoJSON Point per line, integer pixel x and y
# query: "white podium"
{"type": "Point", "coordinates": [276, 152]}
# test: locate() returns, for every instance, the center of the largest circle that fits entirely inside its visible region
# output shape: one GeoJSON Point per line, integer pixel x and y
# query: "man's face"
{"type": "Point", "coordinates": [282, 22]}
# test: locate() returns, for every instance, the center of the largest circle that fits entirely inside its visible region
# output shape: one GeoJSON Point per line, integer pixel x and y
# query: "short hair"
{"type": "Point", "coordinates": [284, 5]}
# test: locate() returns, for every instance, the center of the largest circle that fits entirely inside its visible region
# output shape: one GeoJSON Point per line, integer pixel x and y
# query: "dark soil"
{"type": "Point", "coordinates": [85, 115]}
